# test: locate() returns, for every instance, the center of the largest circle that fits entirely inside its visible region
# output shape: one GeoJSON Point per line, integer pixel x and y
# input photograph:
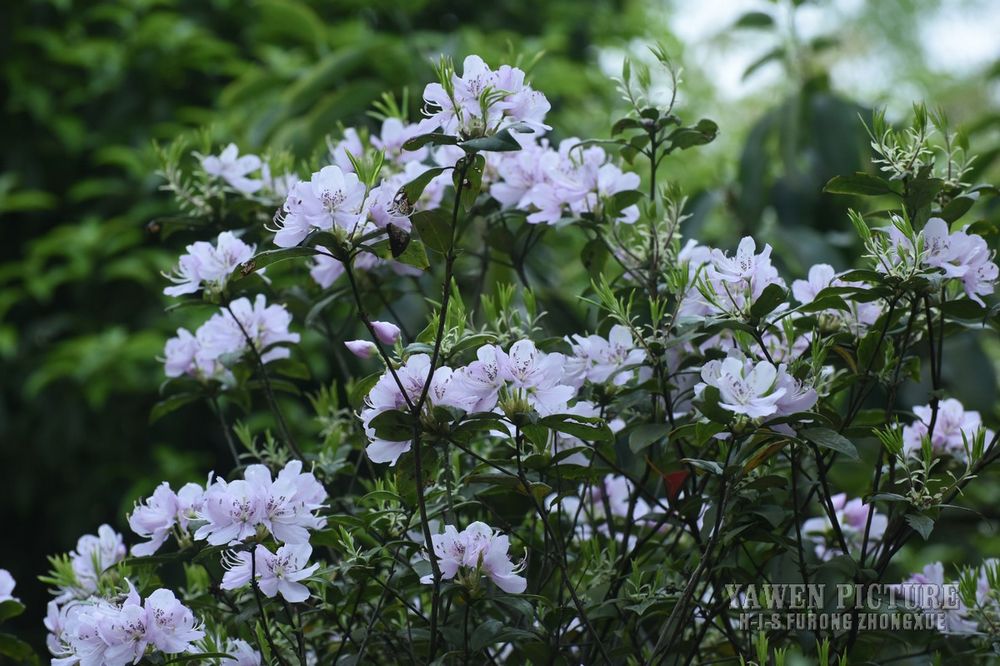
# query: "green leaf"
{"type": "Point", "coordinates": [829, 439]}
{"type": "Point", "coordinates": [502, 141]}
{"type": "Point", "coordinates": [9, 609]}
{"type": "Point", "coordinates": [585, 428]}
{"type": "Point", "coordinates": [434, 138]}
{"type": "Point", "coordinates": [393, 425]}
{"type": "Point", "coordinates": [703, 132]}
{"type": "Point", "coordinates": [269, 257]}
{"type": "Point", "coordinates": [709, 466]}
{"type": "Point", "coordinates": [415, 256]}
{"type": "Point", "coordinates": [593, 256]}
{"type": "Point", "coordinates": [171, 404]}
{"type": "Point", "coordinates": [956, 208]}
{"type": "Point", "coordinates": [473, 180]}
{"type": "Point", "coordinates": [644, 435]}
{"type": "Point", "coordinates": [434, 227]}
{"type": "Point", "coordinates": [624, 124]}
{"type": "Point", "coordinates": [756, 20]}
{"type": "Point", "coordinates": [406, 472]}
{"type": "Point", "coordinates": [772, 296]}
{"type": "Point", "coordinates": [413, 189]}
{"type": "Point", "coordinates": [860, 184]}
{"type": "Point", "coordinates": [772, 55]}
{"type": "Point", "coordinates": [361, 388]}
{"type": "Point", "coordinates": [710, 407]}
{"type": "Point", "coordinates": [15, 648]}
{"type": "Point", "coordinates": [921, 524]}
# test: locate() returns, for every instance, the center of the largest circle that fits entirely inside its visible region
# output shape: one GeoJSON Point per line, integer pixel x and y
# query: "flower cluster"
{"type": "Point", "coordinates": [206, 266]}
{"type": "Point", "coordinates": [275, 573]}
{"type": "Point", "coordinates": [164, 513]}
{"type": "Point", "coordinates": [482, 101]}
{"type": "Point", "coordinates": [335, 199]}
{"type": "Point", "coordinates": [477, 550]}
{"type": "Point", "coordinates": [857, 318]}
{"type": "Point", "coordinates": [929, 590]}
{"type": "Point", "coordinates": [526, 375]}
{"type": "Point", "coordinates": [94, 554]}
{"type": "Point", "coordinates": [598, 360]}
{"type": "Point", "coordinates": [853, 518]}
{"type": "Point", "coordinates": [285, 506]}
{"type": "Point", "coordinates": [235, 170]}
{"type": "Point", "coordinates": [551, 184]}
{"type": "Point", "coordinates": [226, 337]}
{"type": "Point", "coordinates": [954, 430]}
{"type": "Point", "coordinates": [599, 504]}
{"type": "Point", "coordinates": [98, 631]}
{"type": "Point", "coordinates": [729, 285]}
{"type": "Point", "coordinates": [757, 390]}
{"type": "Point", "coordinates": [957, 255]}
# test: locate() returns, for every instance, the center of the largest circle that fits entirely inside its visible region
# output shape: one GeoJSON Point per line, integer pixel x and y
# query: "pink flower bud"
{"type": "Point", "coordinates": [386, 332]}
{"type": "Point", "coordinates": [361, 348]}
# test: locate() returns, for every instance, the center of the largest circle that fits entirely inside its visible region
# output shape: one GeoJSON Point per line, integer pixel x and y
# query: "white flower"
{"type": "Point", "coordinates": [481, 379]}
{"type": "Point", "coordinates": [231, 512]}
{"type": "Point", "coordinates": [386, 332]}
{"type": "Point", "coordinates": [744, 387]}
{"type": "Point", "coordinates": [484, 101]}
{"type": "Point", "coordinates": [94, 554]}
{"type": "Point", "coordinates": [7, 584]}
{"type": "Point", "coordinates": [242, 653]}
{"type": "Point", "coordinates": [363, 349]}
{"type": "Point", "coordinates": [479, 549]}
{"type": "Point", "coordinates": [286, 506]}
{"type": "Point", "coordinates": [289, 502]}
{"type": "Point", "coordinates": [170, 625]}
{"type": "Point", "coordinates": [222, 340]}
{"type": "Point", "coordinates": [853, 517]}
{"type": "Point", "coordinates": [958, 255]}
{"type": "Point", "coordinates": [385, 396]}
{"type": "Point", "coordinates": [915, 590]}
{"type": "Point", "coordinates": [598, 360]}
{"type": "Point", "coordinates": [536, 376]}
{"type": "Point", "coordinates": [954, 428]}
{"type": "Point", "coordinates": [234, 169]}
{"type": "Point", "coordinates": [207, 266]}
{"type": "Point", "coordinates": [734, 283]}
{"type": "Point", "coordinates": [821, 276]}
{"type": "Point", "coordinates": [277, 573]}
{"type": "Point", "coordinates": [331, 197]}
{"type": "Point", "coordinates": [99, 633]}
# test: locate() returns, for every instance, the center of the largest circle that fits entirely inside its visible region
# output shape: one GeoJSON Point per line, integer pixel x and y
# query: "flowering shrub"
{"type": "Point", "coordinates": [485, 492]}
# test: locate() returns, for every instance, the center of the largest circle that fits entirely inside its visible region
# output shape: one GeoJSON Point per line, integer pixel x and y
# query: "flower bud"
{"type": "Point", "coordinates": [386, 332]}
{"type": "Point", "coordinates": [363, 349]}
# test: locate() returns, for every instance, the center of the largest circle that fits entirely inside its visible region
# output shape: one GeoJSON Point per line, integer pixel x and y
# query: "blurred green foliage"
{"type": "Point", "coordinates": [88, 86]}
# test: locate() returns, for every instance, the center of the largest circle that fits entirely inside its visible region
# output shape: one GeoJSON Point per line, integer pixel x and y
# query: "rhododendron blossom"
{"type": "Point", "coordinates": [99, 632]}
{"type": "Point", "coordinates": [954, 429]}
{"type": "Point", "coordinates": [225, 338]}
{"type": "Point", "coordinates": [207, 266]}
{"type": "Point", "coordinates": [280, 572]}
{"type": "Point", "coordinates": [7, 585]}
{"type": "Point", "coordinates": [234, 169]}
{"type": "Point", "coordinates": [744, 387]}
{"type": "Point", "coordinates": [853, 518]}
{"type": "Point", "coordinates": [164, 512]}
{"type": "Point", "coordinates": [285, 506]}
{"type": "Point", "coordinates": [475, 551]}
